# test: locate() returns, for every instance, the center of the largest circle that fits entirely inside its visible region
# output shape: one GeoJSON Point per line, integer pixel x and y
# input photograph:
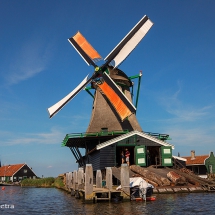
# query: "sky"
{"type": "Point", "coordinates": [38, 67]}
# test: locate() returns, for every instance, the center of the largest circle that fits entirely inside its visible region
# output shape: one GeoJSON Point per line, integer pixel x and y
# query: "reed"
{"type": "Point", "coordinates": [39, 182]}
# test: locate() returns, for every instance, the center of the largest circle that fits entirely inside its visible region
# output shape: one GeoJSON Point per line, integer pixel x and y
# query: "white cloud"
{"type": "Point", "coordinates": [49, 167]}
{"type": "Point", "coordinates": [55, 136]}
{"type": "Point", "coordinates": [31, 59]}
{"type": "Point", "coordinates": [189, 126]}
{"type": "Point", "coordinates": [181, 111]}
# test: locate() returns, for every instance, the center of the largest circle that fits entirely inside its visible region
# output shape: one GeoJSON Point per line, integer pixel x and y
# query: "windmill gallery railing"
{"type": "Point", "coordinates": [94, 134]}
{"type": "Point", "coordinates": [109, 133]}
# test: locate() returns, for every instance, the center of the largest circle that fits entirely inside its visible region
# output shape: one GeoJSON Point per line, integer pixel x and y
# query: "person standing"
{"type": "Point", "coordinates": [127, 155]}
{"type": "Point", "coordinates": [148, 158]}
{"type": "Point", "coordinates": [123, 157]}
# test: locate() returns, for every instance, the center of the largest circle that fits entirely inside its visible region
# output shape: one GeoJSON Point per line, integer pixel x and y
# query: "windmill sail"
{"type": "Point", "coordinates": [119, 101]}
{"type": "Point", "coordinates": [59, 105]}
{"type": "Point", "coordinates": [129, 42]}
{"type": "Point", "coordinates": [83, 47]}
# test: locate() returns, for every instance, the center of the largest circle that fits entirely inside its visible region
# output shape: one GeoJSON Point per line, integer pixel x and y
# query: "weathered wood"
{"type": "Point", "coordinates": [109, 181]}
{"type": "Point", "coordinates": [89, 183]}
{"type": "Point", "coordinates": [80, 178]}
{"type": "Point", "coordinates": [150, 175]}
{"type": "Point", "coordinates": [98, 179]}
{"type": "Point", "coordinates": [165, 181]}
{"type": "Point", "coordinates": [75, 175]}
{"type": "Point", "coordinates": [190, 178]}
{"type": "Point", "coordinates": [176, 179]}
{"type": "Point", "coordinates": [67, 180]}
{"type": "Point", "coordinates": [125, 181]}
{"type": "Point", "coordinates": [70, 180]}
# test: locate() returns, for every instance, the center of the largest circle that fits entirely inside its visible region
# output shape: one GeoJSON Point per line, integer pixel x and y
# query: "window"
{"type": "Point", "coordinates": [195, 169]}
{"type": "Point", "coordinates": [25, 170]}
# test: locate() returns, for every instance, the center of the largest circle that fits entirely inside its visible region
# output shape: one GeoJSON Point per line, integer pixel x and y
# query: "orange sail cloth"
{"type": "Point", "coordinates": [115, 100]}
{"type": "Point", "coordinates": [85, 46]}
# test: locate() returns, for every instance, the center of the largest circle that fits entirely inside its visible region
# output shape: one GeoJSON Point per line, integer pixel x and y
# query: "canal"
{"type": "Point", "coordinates": [21, 201]}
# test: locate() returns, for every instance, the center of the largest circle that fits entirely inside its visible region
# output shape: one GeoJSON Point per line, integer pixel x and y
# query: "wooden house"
{"type": "Point", "coordinates": [210, 164]}
{"type": "Point", "coordinates": [104, 150]}
{"type": "Point", "coordinates": [196, 163]}
{"type": "Point", "coordinates": [16, 173]}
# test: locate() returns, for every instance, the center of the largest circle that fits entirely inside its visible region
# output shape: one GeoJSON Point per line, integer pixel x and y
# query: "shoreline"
{"type": "Point", "coordinates": [59, 183]}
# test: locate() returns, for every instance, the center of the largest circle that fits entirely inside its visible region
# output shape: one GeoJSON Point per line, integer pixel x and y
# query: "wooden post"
{"type": "Point", "coordinates": [89, 196]}
{"type": "Point", "coordinates": [109, 178]}
{"type": "Point", "coordinates": [70, 181]}
{"type": "Point", "coordinates": [125, 181]}
{"type": "Point", "coordinates": [80, 178]}
{"type": "Point", "coordinates": [75, 180]}
{"type": "Point", "coordinates": [67, 180]}
{"type": "Point", "coordinates": [73, 184]}
{"type": "Point", "coordinates": [98, 179]}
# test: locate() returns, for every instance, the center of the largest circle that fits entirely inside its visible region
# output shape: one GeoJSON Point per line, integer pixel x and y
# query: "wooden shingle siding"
{"type": "Point", "coordinates": [94, 159]}
{"type": "Point", "coordinates": [143, 141]}
{"type": "Point", "coordinates": [107, 157]}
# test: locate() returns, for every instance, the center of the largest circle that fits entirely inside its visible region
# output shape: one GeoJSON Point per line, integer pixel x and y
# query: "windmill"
{"type": "Point", "coordinates": [110, 99]}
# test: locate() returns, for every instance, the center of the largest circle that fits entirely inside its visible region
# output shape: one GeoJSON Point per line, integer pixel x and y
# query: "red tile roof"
{"type": "Point", "coordinates": [200, 160]}
{"type": "Point", "coordinates": [10, 170]}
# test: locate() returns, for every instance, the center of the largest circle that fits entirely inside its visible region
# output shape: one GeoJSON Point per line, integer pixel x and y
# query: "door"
{"type": "Point", "coordinates": [166, 155]}
{"type": "Point", "coordinates": [140, 155]}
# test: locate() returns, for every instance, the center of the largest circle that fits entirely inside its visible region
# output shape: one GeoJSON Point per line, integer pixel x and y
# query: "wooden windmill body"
{"type": "Point", "coordinates": [104, 117]}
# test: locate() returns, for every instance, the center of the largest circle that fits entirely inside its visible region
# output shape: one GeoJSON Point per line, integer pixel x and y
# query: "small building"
{"type": "Point", "coordinates": [210, 164]}
{"type": "Point", "coordinates": [16, 172]}
{"type": "Point", "coordinates": [104, 150]}
{"type": "Point", "coordinates": [197, 164]}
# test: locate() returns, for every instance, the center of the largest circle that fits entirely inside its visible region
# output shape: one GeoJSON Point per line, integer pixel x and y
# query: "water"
{"type": "Point", "coordinates": [46, 201]}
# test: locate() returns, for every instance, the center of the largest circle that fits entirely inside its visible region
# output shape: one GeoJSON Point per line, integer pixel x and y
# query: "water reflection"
{"type": "Point", "coordinates": [54, 201]}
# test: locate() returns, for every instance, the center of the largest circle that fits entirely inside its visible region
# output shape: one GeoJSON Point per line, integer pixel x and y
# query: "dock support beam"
{"type": "Point", "coordinates": [70, 181]}
{"type": "Point", "coordinates": [72, 185]}
{"type": "Point", "coordinates": [80, 178]}
{"type": "Point", "coordinates": [98, 179]}
{"type": "Point", "coordinates": [125, 181]}
{"type": "Point", "coordinates": [109, 180]}
{"type": "Point", "coordinates": [67, 180]}
{"type": "Point", "coordinates": [89, 196]}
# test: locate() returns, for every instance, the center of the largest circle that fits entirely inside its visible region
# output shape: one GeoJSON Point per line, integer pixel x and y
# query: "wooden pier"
{"type": "Point", "coordinates": [80, 184]}
{"type": "Point", "coordinates": [92, 189]}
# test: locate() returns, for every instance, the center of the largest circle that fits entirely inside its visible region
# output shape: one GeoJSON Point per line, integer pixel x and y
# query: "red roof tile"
{"type": "Point", "coordinates": [9, 170]}
{"type": "Point", "coordinates": [198, 160]}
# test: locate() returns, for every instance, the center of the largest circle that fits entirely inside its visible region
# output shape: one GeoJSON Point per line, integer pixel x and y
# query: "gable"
{"type": "Point", "coordinates": [25, 170]}
{"type": "Point", "coordinates": [142, 137]}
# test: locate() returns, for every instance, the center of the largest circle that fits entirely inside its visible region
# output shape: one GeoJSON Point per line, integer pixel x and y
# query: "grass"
{"type": "Point", "coordinates": [43, 182]}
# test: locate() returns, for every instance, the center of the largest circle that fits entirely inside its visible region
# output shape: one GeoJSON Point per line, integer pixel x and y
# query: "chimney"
{"type": "Point", "coordinates": [192, 154]}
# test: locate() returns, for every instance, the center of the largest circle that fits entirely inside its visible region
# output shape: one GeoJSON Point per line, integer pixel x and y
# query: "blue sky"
{"type": "Point", "coordinates": [38, 67]}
